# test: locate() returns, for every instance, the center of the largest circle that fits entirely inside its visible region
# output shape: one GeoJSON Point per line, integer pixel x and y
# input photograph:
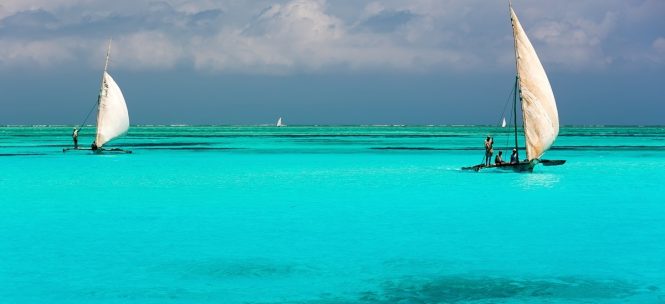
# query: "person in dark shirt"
{"type": "Point", "coordinates": [513, 158]}
{"type": "Point", "coordinates": [498, 160]}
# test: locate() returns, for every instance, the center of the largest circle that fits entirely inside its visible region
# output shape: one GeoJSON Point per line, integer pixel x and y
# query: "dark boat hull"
{"type": "Point", "coordinates": [99, 151]}
{"type": "Point", "coordinates": [521, 167]}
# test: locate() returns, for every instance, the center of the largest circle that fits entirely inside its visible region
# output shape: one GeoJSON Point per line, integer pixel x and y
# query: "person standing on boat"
{"type": "Point", "coordinates": [498, 160]}
{"type": "Point", "coordinates": [75, 137]}
{"type": "Point", "coordinates": [489, 150]}
{"type": "Point", "coordinates": [513, 157]}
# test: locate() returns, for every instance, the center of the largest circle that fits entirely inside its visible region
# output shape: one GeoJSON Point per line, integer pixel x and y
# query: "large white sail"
{"type": "Point", "coordinates": [112, 116]}
{"type": "Point", "coordinates": [541, 120]}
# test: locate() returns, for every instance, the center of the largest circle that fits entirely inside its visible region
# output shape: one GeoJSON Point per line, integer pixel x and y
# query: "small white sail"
{"type": "Point", "coordinates": [503, 123]}
{"type": "Point", "coordinates": [541, 120]}
{"type": "Point", "coordinates": [279, 123]}
{"type": "Point", "coordinates": [112, 116]}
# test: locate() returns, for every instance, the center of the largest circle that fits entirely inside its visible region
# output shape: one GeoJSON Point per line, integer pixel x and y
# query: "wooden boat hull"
{"type": "Point", "coordinates": [99, 151]}
{"type": "Point", "coordinates": [112, 150]}
{"type": "Point", "coordinates": [521, 167]}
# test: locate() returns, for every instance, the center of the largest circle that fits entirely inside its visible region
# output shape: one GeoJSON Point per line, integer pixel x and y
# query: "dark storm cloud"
{"type": "Point", "coordinates": [291, 36]}
{"type": "Point", "coordinates": [343, 61]}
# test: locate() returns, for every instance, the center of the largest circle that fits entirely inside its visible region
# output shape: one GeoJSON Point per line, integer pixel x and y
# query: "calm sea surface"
{"type": "Point", "coordinates": [329, 215]}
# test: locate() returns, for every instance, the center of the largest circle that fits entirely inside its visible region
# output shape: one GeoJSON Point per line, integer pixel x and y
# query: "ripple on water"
{"type": "Point", "coordinates": [251, 268]}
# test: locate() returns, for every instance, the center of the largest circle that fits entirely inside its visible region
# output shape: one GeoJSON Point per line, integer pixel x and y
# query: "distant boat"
{"type": "Point", "coordinates": [279, 123]}
{"type": "Point", "coordinates": [112, 114]}
{"type": "Point", "coordinates": [540, 116]}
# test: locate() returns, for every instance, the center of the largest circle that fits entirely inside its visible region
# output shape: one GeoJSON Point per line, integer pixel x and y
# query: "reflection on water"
{"type": "Point", "coordinates": [538, 180]}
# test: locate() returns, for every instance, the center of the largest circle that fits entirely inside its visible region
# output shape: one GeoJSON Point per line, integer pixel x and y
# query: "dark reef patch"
{"type": "Point", "coordinates": [461, 289]}
{"type": "Point", "coordinates": [223, 269]}
{"type": "Point", "coordinates": [21, 154]}
{"type": "Point", "coordinates": [414, 149]}
{"type": "Point", "coordinates": [471, 289]}
{"type": "Point", "coordinates": [166, 144]}
{"type": "Point", "coordinates": [247, 135]}
{"type": "Point", "coordinates": [190, 149]}
{"type": "Point", "coordinates": [608, 148]}
{"type": "Point", "coordinates": [558, 148]}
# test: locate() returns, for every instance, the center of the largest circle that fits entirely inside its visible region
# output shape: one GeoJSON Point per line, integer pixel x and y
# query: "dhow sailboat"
{"type": "Point", "coordinates": [539, 112]}
{"type": "Point", "coordinates": [112, 114]}
{"type": "Point", "coordinates": [279, 123]}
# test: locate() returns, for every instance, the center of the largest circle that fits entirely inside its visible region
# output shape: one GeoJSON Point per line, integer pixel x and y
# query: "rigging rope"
{"type": "Point", "coordinates": [503, 113]}
{"type": "Point", "coordinates": [98, 97]}
{"type": "Point", "coordinates": [86, 117]}
{"type": "Point", "coordinates": [510, 125]}
{"type": "Point", "coordinates": [506, 103]}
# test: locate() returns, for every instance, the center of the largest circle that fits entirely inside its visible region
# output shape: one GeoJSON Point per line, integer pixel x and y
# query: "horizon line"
{"type": "Point", "coordinates": [176, 125]}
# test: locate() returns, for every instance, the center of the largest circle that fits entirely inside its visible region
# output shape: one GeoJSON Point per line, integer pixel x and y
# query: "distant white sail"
{"type": "Point", "coordinates": [279, 123]}
{"type": "Point", "coordinates": [112, 116]}
{"type": "Point", "coordinates": [503, 123]}
{"type": "Point", "coordinates": [541, 119]}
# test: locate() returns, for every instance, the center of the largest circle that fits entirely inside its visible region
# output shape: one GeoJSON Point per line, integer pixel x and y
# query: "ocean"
{"type": "Point", "coordinates": [323, 215]}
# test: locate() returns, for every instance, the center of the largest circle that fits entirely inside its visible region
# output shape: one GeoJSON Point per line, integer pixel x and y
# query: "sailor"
{"type": "Point", "coordinates": [498, 160]}
{"type": "Point", "coordinates": [489, 141]}
{"type": "Point", "coordinates": [75, 137]}
{"type": "Point", "coordinates": [513, 158]}
{"type": "Point", "coordinates": [94, 146]}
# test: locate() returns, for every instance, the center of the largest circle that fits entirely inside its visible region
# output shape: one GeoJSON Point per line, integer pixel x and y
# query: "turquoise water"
{"type": "Point", "coordinates": [329, 215]}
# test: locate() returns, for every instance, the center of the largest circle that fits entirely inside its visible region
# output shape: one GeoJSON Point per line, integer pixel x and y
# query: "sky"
{"type": "Point", "coordinates": [328, 61]}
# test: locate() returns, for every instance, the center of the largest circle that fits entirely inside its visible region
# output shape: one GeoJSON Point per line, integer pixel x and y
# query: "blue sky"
{"type": "Point", "coordinates": [328, 62]}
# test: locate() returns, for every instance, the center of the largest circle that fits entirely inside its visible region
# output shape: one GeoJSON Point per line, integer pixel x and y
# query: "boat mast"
{"type": "Point", "coordinates": [106, 66]}
{"type": "Point", "coordinates": [101, 89]}
{"type": "Point", "coordinates": [101, 86]}
{"type": "Point", "coordinates": [518, 90]}
{"type": "Point", "coordinates": [108, 53]}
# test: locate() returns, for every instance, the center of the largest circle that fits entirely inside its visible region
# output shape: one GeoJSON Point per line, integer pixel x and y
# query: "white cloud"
{"type": "Point", "coordinates": [42, 53]}
{"type": "Point", "coordinates": [300, 35]}
{"type": "Point", "coordinates": [264, 36]}
{"type": "Point", "coordinates": [659, 45]}
{"type": "Point", "coordinates": [162, 53]}
{"type": "Point", "coordinates": [576, 43]}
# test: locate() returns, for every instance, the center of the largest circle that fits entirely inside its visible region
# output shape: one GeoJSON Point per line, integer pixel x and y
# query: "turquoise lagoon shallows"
{"type": "Point", "coordinates": [329, 215]}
